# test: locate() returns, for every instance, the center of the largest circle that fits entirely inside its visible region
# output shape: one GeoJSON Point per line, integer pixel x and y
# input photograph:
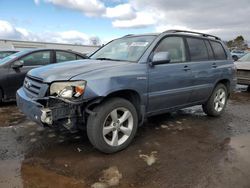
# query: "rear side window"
{"type": "Point", "coordinates": [175, 47]}
{"type": "Point", "coordinates": [209, 50]}
{"type": "Point", "coordinates": [36, 58]}
{"type": "Point", "coordinates": [219, 52]}
{"type": "Point", "coordinates": [64, 56]}
{"type": "Point", "coordinates": [197, 49]}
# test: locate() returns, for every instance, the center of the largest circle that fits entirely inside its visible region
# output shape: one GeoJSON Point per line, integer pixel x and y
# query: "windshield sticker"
{"type": "Point", "coordinates": [139, 44]}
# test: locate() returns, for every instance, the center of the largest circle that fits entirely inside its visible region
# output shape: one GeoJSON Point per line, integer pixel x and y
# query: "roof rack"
{"type": "Point", "coordinates": [192, 32]}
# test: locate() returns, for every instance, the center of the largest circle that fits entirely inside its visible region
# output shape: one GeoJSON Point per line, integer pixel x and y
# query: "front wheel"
{"type": "Point", "coordinates": [114, 125]}
{"type": "Point", "coordinates": [216, 104]}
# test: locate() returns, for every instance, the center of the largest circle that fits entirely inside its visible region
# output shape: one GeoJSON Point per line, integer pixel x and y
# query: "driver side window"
{"type": "Point", "coordinates": [175, 47]}
{"type": "Point", "coordinates": [36, 58]}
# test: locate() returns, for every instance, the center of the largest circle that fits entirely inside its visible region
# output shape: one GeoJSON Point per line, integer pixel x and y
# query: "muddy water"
{"type": "Point", "coordinates": [182, 149]}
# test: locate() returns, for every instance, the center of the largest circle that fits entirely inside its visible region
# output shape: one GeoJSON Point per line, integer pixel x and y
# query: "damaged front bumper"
{"type": "Point", "coordinates": [51, 111]}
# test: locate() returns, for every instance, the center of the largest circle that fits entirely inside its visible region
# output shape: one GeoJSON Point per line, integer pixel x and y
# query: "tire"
{"type": "Point", "coordinates": [108, 136]}
{"type": "Point", "coordinates": [217, 102]}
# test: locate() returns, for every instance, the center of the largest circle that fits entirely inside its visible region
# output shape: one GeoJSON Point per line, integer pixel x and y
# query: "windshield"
{"type": "Point", "coordinates": [8, 58]}
{"type": "Point", "coordinates": [245, 57]}
{"type": "Point", "coordinates": [124, 49]}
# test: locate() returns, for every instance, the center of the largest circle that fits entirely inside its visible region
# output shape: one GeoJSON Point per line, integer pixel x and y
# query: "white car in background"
{"type": "Point", "coordinates": [243, 70]}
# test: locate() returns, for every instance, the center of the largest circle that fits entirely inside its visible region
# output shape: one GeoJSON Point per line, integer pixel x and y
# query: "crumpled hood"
{"type": "Point", "coordinates": [68, 70]}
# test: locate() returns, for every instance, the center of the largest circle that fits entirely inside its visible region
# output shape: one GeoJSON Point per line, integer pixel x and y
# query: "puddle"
{"type": "Point", "coordinates": [241, 144]}
{"type": "Point", "coordinates": [9, 115]}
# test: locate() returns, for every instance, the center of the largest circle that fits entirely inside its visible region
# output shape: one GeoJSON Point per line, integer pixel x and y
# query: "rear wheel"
{"type": "Point", "coordinates": [248, 88]}
{"type": "Point", "coordinates": [114, 125]}
{"type": "Point", "coordinates": [216, 104]}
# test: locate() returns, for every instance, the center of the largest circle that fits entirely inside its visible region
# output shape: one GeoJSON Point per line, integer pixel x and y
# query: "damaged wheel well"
{"type": "Point", "coordinates": [129, 95]}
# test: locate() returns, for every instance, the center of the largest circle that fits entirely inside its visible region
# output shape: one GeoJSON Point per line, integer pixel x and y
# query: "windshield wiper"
{"type": "Point", "coordinates": [109, 59]}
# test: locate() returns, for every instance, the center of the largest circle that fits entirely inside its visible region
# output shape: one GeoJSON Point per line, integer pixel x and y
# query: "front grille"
{"type": "Point", "coordinates": [33, 85]}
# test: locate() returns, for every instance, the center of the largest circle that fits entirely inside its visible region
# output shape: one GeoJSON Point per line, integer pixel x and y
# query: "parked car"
{"type": "Point", "coordinates": [243, 70]}
{"type": "Point", "coordinates": [127, 80]}
{"type": "Point", "coordinates": [237, 54]}
{"type": "Point", "coordinates": [5, 53]}
{"type": "Point", "coordinates": [14, 67]}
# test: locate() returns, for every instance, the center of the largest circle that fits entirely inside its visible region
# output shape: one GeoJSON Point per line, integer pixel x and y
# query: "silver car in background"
{"type": "Point", "coordinates": [243, 70]}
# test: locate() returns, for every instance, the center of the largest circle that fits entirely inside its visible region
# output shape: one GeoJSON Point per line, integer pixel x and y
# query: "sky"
{"type": "Point", "coordinates": [79, 21]}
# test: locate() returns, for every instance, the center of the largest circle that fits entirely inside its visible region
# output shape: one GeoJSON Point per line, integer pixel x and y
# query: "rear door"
{"type": "Point", "coordinates": [30, 61]}
{"type": "Point", "coordinates": [204, 67]}
{"type": "Point", "coordinates": [170, 84]}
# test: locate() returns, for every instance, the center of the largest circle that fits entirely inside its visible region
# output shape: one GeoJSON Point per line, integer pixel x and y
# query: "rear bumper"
{"type": "Point", "coordinates": [31, 108]}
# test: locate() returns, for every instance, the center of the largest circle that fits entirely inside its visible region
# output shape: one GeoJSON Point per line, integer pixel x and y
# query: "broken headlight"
{"type": "Point", "coordinates": [70, 89]}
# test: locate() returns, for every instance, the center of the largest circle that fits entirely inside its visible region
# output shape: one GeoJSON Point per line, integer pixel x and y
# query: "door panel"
{"type": "Point", "coordinates": [30, 61]}
{"type": "Point", "coordinates": [204, 67]}
{"type": "Point", "coordinates": [170, 84]}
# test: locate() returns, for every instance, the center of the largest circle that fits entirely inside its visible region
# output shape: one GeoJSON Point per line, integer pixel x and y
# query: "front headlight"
{"type": "Point", "coordinates": [70, 89]}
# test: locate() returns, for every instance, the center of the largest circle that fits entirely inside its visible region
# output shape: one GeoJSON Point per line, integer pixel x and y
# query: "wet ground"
{"type": "Point", "coordinates": [182, 149]}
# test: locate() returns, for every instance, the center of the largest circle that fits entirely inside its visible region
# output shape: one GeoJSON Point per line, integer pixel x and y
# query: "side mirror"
{"type": "Point", "coordinates": [160, 58]}
{"type": "Point", "coordinates": [17, 64]}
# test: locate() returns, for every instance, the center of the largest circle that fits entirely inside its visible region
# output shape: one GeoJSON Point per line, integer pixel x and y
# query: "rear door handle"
{"type": "Point", "coordinates": [214, 65]}
{"type": "Point", "coordinates": [186, 68]}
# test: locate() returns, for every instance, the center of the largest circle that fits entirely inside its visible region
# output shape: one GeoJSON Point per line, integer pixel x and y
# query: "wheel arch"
{"type": "Point", "coordinates": [128, 94]}
{"type": "Point", "coordinates": [225, 82]}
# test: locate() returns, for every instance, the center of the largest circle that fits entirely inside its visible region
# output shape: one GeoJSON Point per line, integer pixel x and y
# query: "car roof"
{"type": "Point", "coordinates": [44, 49]}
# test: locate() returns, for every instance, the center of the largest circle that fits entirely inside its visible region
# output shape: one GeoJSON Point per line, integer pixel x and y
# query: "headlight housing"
{"type": "Point", "coordinates": [68, 90]}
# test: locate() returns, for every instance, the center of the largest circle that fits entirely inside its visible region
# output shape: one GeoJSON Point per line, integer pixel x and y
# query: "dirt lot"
{"type": "Point", "coordinates": [182, 149]}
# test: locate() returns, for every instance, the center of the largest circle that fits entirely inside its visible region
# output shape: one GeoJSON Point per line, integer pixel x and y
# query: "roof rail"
{"type": "Point", "coordinates": [128, 35]}
{"type": "Point", "coordinates": [192, 32]}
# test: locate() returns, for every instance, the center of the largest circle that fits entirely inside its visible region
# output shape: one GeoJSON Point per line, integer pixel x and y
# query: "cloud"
{"type": "Point", "coordinates": [9, 31]}
{"type": "Point", "coordinates": [37, 2]}
{"type": "Point", "coordinates": [88, 7]}
{"type": "Point", "coordinates": [224, 18]}
{"type": "Point", "coordinates": [141, 20]}
{"type": "Point", "coordinates": [121, 12]}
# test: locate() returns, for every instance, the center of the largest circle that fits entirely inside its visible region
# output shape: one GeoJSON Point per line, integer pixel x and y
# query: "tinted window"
{"type": "Point", "coordinates": [64, 56]}
{"type": "Point", "coordinates": [219, 52]}
{"type": "Point", "coordinates": [175, 46]}
{"type": "Point", "coordinates": [197, 49]}
{"type": "Point", "coordinates": [79, 57]}
{"type": "Point", "coordinates": [36, 58]}
{"type": "Point", "coordinates": [209, 50]}
{"type": "Point", "coordinates": [5, 54]}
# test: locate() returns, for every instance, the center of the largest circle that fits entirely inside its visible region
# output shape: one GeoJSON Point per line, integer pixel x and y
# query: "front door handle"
{"type": "Point", "coordinates": [186, 68]}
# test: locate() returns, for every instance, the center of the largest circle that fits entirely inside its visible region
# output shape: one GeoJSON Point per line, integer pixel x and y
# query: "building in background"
{"type": "Point", "coordinates": [21, 45]}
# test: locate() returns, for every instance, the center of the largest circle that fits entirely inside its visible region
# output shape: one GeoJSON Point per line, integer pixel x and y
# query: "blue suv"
{"type": "Point", "coordinates": [127, 80]}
